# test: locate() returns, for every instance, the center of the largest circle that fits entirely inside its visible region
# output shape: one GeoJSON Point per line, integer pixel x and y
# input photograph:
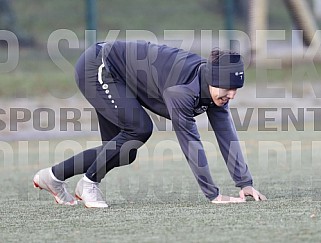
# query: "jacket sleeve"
{"type": "Point", "coordinates": [180, 102]}
{"type": "Point", "coordinates": [225, 132]}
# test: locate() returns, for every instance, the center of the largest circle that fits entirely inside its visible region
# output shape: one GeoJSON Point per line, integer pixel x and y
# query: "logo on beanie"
{"type": "Point", "coordinates": [240, 74]}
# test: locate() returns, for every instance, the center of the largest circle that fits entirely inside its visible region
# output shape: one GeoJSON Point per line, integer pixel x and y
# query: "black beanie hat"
{"type": "Point", "coordinates": [227, 73]}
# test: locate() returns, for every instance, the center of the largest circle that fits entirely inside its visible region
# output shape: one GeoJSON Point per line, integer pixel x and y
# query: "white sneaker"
{"type": "Point", "coordinates": [220, 199]}
{"type": "Point", "coordinates": [89, 192]}
{"type": "Point", "coordinates": [45, 179]}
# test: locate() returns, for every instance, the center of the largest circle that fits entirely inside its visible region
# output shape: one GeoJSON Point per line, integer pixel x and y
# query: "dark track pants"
{"type": "Point", "coordinates": [124, 124]}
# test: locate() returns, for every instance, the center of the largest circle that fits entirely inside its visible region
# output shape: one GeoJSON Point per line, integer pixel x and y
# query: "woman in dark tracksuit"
{"type": "Point", "coordinates": [119, 79]}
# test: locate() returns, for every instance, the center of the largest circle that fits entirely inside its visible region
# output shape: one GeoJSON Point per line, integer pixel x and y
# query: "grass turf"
{"type": "Point", "coordinates": [147, 206]}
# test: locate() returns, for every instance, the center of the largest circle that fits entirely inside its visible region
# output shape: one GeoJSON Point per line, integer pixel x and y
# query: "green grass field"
{"type": "Point", "coordinates": [41, 18]}
{"type": "Point", "coordinates": [156, 199]}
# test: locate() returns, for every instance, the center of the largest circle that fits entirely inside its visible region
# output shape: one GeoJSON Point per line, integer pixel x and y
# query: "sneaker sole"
{"type": "Point", "coordinates": [58, 201]}
{"type": "Point", "coordinates": [80, 199]}
{"type": "Point", "coordinates": [35, 185]}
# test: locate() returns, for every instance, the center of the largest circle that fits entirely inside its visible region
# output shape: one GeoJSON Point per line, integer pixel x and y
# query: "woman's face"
{"type": "Point", "coordinates": [221, 96]}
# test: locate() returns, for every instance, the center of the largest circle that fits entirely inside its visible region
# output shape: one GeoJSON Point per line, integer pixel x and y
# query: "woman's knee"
{"type": "Point", "coordinates": [144, 132]}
